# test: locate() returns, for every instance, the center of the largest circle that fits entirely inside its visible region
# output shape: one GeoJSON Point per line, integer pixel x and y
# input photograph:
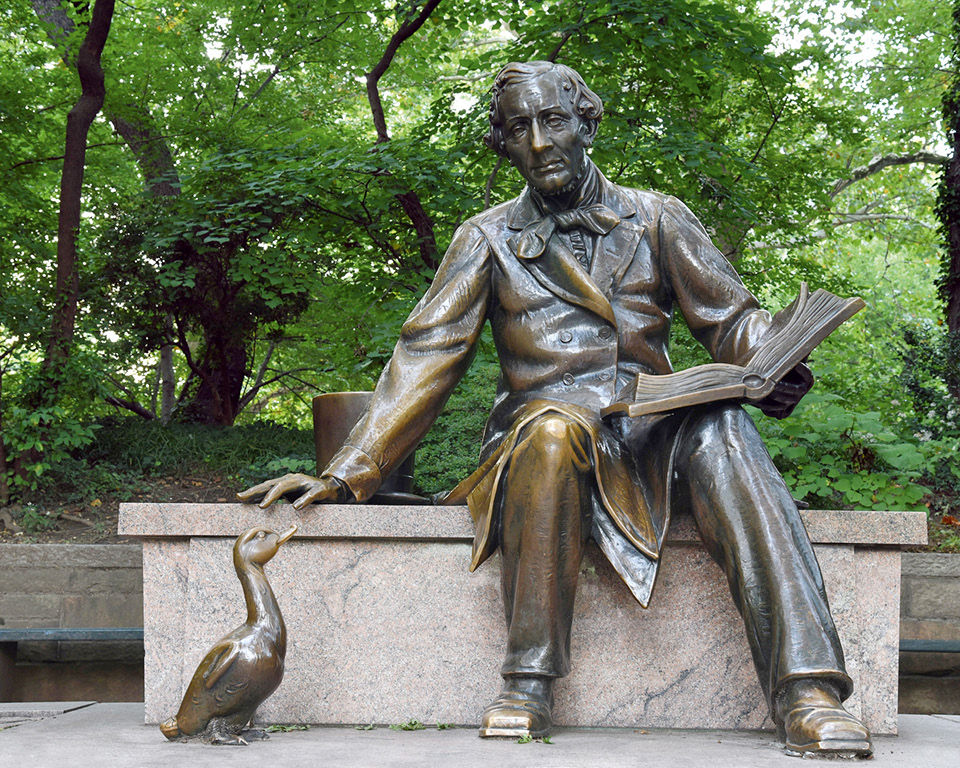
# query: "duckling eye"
{"type": "Point", "coordinates": [260, 535]}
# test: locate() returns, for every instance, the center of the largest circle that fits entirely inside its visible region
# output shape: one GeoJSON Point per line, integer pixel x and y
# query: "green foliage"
{"type": "Point", "coordinates": [450, 451]}
{"type": "Point", "coordinates": [287, 246]}
{"type": "Point", "coordinates": [147, 447]}
{"type": "Point", "coordinates": [409, 725]}
{"type": "Point", "coordinates": [32, 521]}
{"type": "Point", "coordinates": [833, 457]}
{"type": "Point", "coordinates": [278, 728]}
{"type": "Point", "coordinates": [42, 436]}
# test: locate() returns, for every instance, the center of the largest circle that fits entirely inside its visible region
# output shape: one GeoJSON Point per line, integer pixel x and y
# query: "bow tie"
{"type": "Point", "coordinates": [535, 237]}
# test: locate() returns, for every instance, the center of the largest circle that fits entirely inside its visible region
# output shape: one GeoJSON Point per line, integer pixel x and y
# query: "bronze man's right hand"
{"type": "Point", "coordinates": [307, 489]}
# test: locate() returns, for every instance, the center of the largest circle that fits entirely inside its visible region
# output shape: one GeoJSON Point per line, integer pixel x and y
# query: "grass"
{"type": "Point", "coordinates": [125, 453]}
{"type": "Point", "coordinates": [246, 451]}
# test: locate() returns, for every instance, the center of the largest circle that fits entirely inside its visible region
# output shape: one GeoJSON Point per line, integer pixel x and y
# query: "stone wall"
{"type": "Point", "coordinates": [69, 585]}
{"type": "Point", "coordinates": [930, 610]}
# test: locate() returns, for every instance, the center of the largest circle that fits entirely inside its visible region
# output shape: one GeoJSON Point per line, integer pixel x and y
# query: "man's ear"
{"type": "Point", "coordinates": [588, 129]}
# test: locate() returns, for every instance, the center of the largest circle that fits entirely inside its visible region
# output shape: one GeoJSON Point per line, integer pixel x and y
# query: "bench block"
{"type": "Point", "coordinates": [386, 624]}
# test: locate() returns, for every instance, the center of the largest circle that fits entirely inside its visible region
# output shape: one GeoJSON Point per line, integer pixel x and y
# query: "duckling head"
{"type": "Point", "coordinates": [258, 545]}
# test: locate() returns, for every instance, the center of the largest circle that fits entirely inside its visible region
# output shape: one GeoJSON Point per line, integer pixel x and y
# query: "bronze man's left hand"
{"type": "Point", "coordinates": [787, 393]}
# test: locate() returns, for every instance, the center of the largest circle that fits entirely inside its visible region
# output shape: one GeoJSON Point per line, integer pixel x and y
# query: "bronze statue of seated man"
{"type": "Point", "coordinates": [578, 278]}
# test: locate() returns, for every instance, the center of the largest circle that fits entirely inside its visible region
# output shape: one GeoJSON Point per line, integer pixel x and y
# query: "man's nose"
{"type": "Point", "coordinates": [539, 138]}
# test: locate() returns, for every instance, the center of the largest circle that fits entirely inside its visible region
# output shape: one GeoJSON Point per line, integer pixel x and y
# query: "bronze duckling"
{"type": "Point", "coordinates": [245, 666]}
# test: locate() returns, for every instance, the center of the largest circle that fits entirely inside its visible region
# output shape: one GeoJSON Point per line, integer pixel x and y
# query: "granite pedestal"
{"type": "Point", "coordinates": [386, 624]}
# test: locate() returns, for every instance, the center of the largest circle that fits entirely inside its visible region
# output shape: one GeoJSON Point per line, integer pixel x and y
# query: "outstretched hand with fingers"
{"type": "Point", "coordinates": [305, 488]}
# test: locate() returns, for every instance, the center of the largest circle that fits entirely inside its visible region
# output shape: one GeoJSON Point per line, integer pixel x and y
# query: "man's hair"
{"type": "Point", "coordinates": [585, 102]}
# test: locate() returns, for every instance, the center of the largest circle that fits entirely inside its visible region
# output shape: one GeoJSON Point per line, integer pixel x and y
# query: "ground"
{"type": "Point", "coordinates": [63, 519]}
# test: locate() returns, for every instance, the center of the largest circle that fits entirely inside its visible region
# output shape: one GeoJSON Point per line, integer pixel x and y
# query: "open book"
{"type": "Point", "coordinates": [795, 331]}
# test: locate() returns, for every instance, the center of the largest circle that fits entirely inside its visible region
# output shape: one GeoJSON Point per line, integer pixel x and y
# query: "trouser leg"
{"type": "Point", "coordinates": [750, 525]}
{"type": "Point", "coordinates": [545, 521]}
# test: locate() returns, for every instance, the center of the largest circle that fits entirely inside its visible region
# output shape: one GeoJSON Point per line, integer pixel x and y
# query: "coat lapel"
{"type": "Point", "coordinates": [558, 270]}
{"type": "Point", "coordinates": [621, 243]}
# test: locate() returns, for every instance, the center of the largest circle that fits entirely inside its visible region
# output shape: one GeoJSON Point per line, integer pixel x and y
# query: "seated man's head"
{"type": "Point", "coordinates": [542, 118]}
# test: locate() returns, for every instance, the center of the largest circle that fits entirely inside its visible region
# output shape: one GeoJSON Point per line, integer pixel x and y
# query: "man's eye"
{"type": "Point", "coordinates": [555, 121]}
{"type": "Point", "coordinates": [518, 130]}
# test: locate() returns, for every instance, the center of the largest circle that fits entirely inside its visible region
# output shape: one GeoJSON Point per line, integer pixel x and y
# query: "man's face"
{"type": "Point", "coordinates": [542, 133]}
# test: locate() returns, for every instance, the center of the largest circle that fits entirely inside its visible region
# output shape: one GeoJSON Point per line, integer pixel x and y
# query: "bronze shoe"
{"type": "Point", "coordinates": [812, 720]}
{"type": "Point", "coordinates": [521, 709]}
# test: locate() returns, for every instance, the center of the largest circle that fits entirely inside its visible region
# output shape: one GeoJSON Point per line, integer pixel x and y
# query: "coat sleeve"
{"type": "Point", "coordinates": [720, 312]}
{"type": "Point", "coordinates": [436, 346]}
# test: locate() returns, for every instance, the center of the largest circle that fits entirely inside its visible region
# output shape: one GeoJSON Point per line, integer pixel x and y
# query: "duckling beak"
{"type": "Point", "coordinates": [285, 536]}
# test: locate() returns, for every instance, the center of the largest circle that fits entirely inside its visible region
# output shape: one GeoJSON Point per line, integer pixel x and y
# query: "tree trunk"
{"type": "Point", "coordinates": [71, 187]}
{"type": "Point", "coordinates": [220, 372]}
{"type": "Point", "coordinates": [168, 380]}
{"type": "Point", "coordinates": [948, 209]}
{"type": "Point", "coordinates": [4, 485]}
{"type": "Point", "coordinates": [153, 157]}
{"type": "Point", "coordinates": [409, 200]}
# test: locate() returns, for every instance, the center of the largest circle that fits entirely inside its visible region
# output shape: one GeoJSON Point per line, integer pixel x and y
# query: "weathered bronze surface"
{"type": "Point", "coordinates": [579, 278]}
{"type": "Point", "coordinates": [245, 666]}
{"type": "Point", "coordinates": [334, 415]}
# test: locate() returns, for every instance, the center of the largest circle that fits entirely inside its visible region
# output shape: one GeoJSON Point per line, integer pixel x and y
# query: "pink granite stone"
{"type": "Point", "coordinates": [165, 588]}
{"type": "Point", "coordinates": [386, 624]}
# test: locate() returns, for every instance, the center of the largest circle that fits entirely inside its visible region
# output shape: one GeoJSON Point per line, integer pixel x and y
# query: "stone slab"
{"type": "Point", "coordinates": [930, 598]}
{"type": "Point", "coordinates": [79, 738]}
{"type": "Point", "coordinates": [363, 521]}
{"type": "Point", "coordinates": [931, 564]}
{"type": "Point", "coordinates": [70, 585]}
{"type": "Point", "coordinates": [386, 624]}
{"type": "Point", "coordinates": [37, 709]}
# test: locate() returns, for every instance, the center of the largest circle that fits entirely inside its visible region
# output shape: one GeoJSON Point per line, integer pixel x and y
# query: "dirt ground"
{"type": "Point", "coordinates": [61, 521]}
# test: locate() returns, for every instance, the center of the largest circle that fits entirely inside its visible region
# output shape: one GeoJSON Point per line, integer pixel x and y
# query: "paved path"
{"type": "Point", "coordinates": [113, 736]}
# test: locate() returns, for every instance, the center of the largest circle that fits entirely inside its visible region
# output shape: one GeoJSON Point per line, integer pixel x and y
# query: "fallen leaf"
{"type": "Point", "coordinates": [949, 520]}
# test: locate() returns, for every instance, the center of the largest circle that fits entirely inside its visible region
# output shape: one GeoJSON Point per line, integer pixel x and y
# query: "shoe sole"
{"type": "Point", "coordinates": [837, 747]}
{"type": "Point", "coordinates": [511, 733]}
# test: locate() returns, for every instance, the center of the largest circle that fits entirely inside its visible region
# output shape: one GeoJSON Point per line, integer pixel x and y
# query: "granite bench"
{"type": "Point", "coordinates": [386, 624]}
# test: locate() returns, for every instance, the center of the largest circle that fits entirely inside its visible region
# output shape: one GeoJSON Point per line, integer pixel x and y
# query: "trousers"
{"type": "Point", "coordinates": [747, 519]}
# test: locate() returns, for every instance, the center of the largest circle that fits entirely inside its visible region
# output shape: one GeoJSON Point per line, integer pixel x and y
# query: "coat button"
{"type": "Point", "coordinates": [605, 332]}
{"type": "Point", "coordinates": [568, 379]}
{"type": "Point", "coordinates": [606, 376]}
{"type": "Point", "coordinates": [566, 337]}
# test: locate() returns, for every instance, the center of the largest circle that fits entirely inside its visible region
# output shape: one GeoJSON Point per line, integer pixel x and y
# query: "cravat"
{"type": "Point", "coordinates": [535, 236]}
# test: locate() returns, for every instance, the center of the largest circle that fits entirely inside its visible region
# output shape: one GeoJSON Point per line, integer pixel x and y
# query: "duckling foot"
{"type": "Point", "coordinates": [228, 740]}
{"type": "Point", "coordinates": [221, 732]}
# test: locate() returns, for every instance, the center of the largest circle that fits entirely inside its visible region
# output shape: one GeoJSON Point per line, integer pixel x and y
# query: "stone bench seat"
{"type": "Point", "coordinates": [386, 624]}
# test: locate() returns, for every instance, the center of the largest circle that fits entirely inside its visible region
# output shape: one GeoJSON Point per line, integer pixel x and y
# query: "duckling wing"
{"type": "Point", "coordinates": [221, 659]}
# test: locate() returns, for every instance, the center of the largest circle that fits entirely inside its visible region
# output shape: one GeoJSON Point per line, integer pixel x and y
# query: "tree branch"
{"type": "Point", "coordinates": [409, 200]}
{"type": "Point", "coordinates": [261, 372]}
{"type": "Point", "coordinates": [406, 30]}
{"type": "Point", "coordinates": [488, 188]}
{"type": "Point", "coordinates": [254, 390]}
{"type": "Point", "coordinates": [886, 161]}
{"type": "Point", "coordinates": [129, 405]}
